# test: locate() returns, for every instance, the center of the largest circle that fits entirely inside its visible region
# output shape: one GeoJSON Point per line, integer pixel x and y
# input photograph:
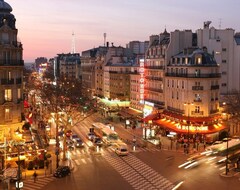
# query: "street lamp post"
{"type": "Point", "coordinates": [188, 125]}
{"type": "Point", "coordinates": [227, 169]}
{"type": "Point", "coordinates": [57, 139]}
{"type": "Point", "coordinates": [19, 170]}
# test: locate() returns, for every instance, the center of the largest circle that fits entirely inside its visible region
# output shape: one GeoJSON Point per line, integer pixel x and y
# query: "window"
{"type": "Point", "coordinates": [224, 61]}
{"type": "Point", "coordinates": [199, 60]}
{"type": "Point", "coordinates": [224, 73]}
{"type": "Point", "coordinates": [197, 109]}
{"type": "Point", "coordinates": [9, 75]}
{"type": "Point", "coordinates": [197, 83]}
{"type": "Point", "coordinates": [182, 84]}
{"type": "Point", "coordinates": [8, 115]}
{"type": "Point", "coordinates": [8, 95]}
{"type": "Point", "coordinates": [224, 49]}
{"type": "Point", "coordinates": [19, 93]}
{"type": "Point", "coordinates": [197, 97]}
{"type": "Point", "coordinates": [197, 72]}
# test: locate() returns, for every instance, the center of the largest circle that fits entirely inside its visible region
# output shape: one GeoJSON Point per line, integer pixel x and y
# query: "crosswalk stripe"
{"type": "Point", "coordinates": [83, 160]}
{"type": "Point", "coordinates": [77, 162]}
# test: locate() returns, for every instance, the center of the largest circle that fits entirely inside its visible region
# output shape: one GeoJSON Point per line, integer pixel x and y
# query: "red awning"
{"type": "Point", "coordinates": [183, 128]}
{"type": "Point", "coordinates": [192, 119]}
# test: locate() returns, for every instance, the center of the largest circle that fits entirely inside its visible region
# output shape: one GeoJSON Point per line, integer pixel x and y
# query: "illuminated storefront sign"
{"type": "Point", "coordinates": [192, 128]}
{"type": "Point", "coordinates": [141, 81]}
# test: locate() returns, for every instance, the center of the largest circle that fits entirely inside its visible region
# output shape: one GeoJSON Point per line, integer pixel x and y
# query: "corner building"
{"type": "Point", "coordinates": [11, 71]}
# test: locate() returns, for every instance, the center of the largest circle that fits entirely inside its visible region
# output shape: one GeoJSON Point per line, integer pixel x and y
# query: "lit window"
{"type": "Point", "coordinates": [7, 114]}
{"type": "Point", "coordinates": [19, 93]}
{"type": "Point", "coordinates": [8, 95]}
{"type": "Point", "coordinates": [199, 60]}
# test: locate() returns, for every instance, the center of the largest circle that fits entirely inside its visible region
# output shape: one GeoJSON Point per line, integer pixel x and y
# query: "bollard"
{"type": "Point", "coordinates": [97, 148]}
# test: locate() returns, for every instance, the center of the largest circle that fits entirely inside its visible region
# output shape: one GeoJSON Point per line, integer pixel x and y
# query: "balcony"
{"type": "Point", "coordinates": [154, 78]}
{"type": "Point", "coordinates": [194, 113]}
{"type": "Point", "coordinates": [18, 80]}
{"type": "Point", "coordinates": [153, 67]}
{"type": "Point", "coordinates": [210, 75]}
{"type": "Point", "coordinates": [197, 100]}
{"type": "Point", "coordinates": [157, 103]}
{"type": "Point", "coordinates": [197, 87]}
{"type": "Point", "coordinates": [4, 62]}
{"type": "Point", "coordinates": [7, 81]}
{"type": "Point", "coordinates": [175, 110]}
{"type": "Point", "coordinates": [154, 89]}
{"type": "Point", "coordinates": [214, 87]}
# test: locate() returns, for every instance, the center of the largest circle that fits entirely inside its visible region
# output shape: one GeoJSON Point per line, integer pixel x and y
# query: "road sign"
{"type": "Point", "coordinates": [19, 184]}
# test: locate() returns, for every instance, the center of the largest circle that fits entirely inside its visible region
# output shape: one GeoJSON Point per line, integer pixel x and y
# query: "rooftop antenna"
{"type": "Point", "coordinates": [73, 50]}
{"type": "Point", "coordinates": [220, 23]}
{"type": "Point", "coordinates": [105, 36]}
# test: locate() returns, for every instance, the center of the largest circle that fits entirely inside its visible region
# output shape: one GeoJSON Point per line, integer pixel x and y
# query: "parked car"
{"type": "Point", "coordinates": [74, 137]}
{"type": "Point", "coordinates": [79, 143]}
{"type": "Point", "coordinates": [62, 171]}
{"type": "Point", "coordinates": [91, 136]}
{"type": "Point", "coordinates": [97, 141]}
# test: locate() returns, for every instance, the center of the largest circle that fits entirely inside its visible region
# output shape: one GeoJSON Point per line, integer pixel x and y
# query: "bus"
{"type": "Point", "coordinates": [105, 132]}
{"type": "Point", "coordinates": [221, 150]}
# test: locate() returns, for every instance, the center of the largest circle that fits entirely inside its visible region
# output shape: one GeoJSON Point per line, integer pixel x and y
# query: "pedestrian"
{"type": "Point", "coordinates": [35, 176]}
{"type": "Point", "coordinates": [204, 145]}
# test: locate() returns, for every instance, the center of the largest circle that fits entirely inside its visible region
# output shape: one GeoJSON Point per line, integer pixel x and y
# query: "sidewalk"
{"type": "Point", "coordinates": [166, 142]}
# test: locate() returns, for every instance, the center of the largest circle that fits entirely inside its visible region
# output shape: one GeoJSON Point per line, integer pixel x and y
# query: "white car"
{"type": "Point", "coordinates": [121, 150]}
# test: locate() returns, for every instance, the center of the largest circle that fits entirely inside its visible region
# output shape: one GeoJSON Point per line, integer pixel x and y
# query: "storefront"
{"type": "Point", "coordinates": [204, 129]}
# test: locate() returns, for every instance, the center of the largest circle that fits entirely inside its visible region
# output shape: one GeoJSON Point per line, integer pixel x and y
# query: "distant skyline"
{"type": "Point", "coordinates": [45, 27]}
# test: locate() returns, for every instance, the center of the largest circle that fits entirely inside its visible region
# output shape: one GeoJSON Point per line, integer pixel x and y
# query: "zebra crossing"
{"type": "Point", "coordinates": [83, 156]}
{"type": "Point", "coordinates": [138, 174]}
{"type": "Point", "coordinates": [29, 184]}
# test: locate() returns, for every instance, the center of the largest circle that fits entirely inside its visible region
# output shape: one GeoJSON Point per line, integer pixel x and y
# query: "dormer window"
{"type": "Point", "coordinates": [199, 60]}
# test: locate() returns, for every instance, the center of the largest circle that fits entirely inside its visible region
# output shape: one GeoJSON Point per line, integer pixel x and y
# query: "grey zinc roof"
{"type": "Point", "coordinates": [5, 7]}
{"type": "Point", "coordinates": [237, 39]}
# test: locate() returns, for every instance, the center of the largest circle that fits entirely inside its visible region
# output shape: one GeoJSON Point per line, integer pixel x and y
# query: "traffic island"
{"type": "Point", "coordinates": [227, 175]}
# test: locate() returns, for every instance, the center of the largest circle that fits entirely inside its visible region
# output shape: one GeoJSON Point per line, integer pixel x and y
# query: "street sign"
{"type": "Point", "coordinates": [19, 184]}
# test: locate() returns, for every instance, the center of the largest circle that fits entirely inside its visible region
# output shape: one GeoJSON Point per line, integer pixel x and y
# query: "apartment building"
{"type": "Point", "coordinates": [11, 70]}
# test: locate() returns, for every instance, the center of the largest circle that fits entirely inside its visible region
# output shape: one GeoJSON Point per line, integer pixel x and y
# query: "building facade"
{"type": "Point", "coordinates": [11, 69]}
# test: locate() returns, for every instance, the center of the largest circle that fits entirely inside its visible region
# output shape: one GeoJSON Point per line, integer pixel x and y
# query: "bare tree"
{"type": "Point", "coordinates": [64, 99]}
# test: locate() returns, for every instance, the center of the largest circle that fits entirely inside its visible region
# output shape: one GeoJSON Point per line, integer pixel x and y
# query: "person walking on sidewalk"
{"type": "Point", "coordinates": [35, 176]}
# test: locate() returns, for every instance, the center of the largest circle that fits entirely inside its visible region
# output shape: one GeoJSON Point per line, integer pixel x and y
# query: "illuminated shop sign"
{"type": "Point", "coordinates": [149, 103]}
{"type": "Point", "coordinates": [192, 128]}
{"type": "Point", "coordinates": [141, 81]}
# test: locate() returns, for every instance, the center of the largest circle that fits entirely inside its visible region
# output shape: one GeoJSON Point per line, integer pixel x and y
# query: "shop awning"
{"type": "Point", "coordinates": [192, 119]}
{"type": "Point", "coordinates": [192, 129]}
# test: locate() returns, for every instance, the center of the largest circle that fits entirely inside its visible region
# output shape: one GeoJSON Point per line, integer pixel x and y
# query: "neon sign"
{"type": "Point", "coordinates": [141, 81]}
{"type": "Point", "coordinates": [193, 128]}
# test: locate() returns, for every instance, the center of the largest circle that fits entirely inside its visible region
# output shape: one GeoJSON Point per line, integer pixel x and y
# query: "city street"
{"type": "Point", "coordinates": [144, 168]}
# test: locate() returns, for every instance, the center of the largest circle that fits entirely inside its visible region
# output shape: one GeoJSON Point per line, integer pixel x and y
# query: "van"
{"type": "Point", "coordinates": [121, 149]}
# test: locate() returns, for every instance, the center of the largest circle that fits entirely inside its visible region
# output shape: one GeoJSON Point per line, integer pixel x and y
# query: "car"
{"type": "Point", "coordinates": [217, 142]}
{"type": "Point", "coordinates": [97, 141]}
{"type": "Point", "coordinates": [226, 139]}
{"type": "Point", "coordinates": [62, 171]}
{"type": "Point", "coordinates": [78, 143]}
{"type": "Point", "coordinates": [74, 137]}
{"type": "Point", "coordinates": [121, 149]}
{"type": "Point", "coordinates": [91, 136]}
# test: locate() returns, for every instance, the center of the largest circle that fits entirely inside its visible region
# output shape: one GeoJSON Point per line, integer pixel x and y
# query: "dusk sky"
{"type": "Point", "coordinates": [46, 26]}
